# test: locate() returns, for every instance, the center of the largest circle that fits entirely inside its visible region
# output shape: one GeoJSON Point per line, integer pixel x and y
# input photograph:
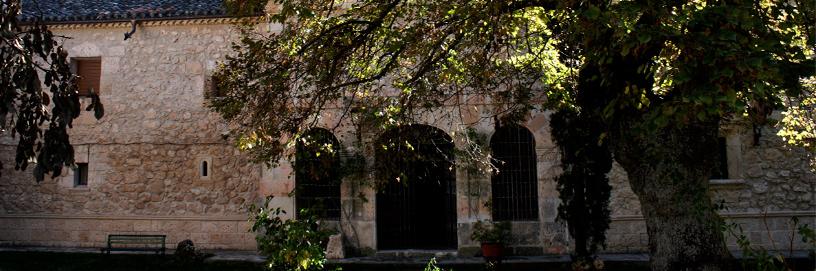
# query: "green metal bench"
{"type": "Point", "coordinates": [121, 242]}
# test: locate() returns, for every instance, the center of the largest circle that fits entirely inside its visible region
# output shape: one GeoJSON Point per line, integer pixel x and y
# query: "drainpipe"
{"type": "Point", "coordinates": [132, 29]}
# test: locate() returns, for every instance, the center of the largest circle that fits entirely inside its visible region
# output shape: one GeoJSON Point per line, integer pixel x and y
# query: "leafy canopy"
{"type": "Point", "coordinates": [39, 118]}
{"type": "Point", "coordinates": [670, 63]}
{"type": "Point", "coordinates": [654, 78]}
{"type": "Point", "coordinates": [382, 62]}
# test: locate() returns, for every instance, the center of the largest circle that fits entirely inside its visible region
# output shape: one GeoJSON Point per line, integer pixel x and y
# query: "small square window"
{"type": "Point", "coordinates": [89, 71]}
{"type": "Point", "coordinates": [211, 90]}
{"type": "Point", "coordinates": [81, 175]}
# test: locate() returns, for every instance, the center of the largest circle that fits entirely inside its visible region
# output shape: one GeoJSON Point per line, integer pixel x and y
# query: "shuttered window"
{"type": "Point", "coordinates": [89, 71]}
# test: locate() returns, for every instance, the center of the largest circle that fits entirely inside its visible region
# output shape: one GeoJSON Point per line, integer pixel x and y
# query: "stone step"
{"type": "Point", "coordinates": [416, 253]}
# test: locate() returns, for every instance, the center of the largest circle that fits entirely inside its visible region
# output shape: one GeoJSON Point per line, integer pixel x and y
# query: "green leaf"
{"type": "Point", "coordinates": [644, 37]}
{"type": "Point", "coordinates": [668, 110]}
{"type": "Point", "coordinates": [728, 35]}
{"type": "Point", "coordinates": [701, 115]}
{"type": "Point", "coordinates": [706, 100]}
{"type": "Point", "coordinates": [592, 13]}
{"type": "Point", "coordinates": [727, 72]}
{"type": "Point", "coordinates": [625, 50]}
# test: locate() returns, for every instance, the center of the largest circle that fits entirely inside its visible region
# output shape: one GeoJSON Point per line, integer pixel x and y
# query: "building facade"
{"type": "Point", "coordinates": [158, 162]}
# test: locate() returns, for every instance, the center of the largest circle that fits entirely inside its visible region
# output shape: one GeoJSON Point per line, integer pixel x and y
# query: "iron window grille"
{"type": "Point", "coordinates": [515, 185]}
{"type": "Point", "coordinates": [317, 174]}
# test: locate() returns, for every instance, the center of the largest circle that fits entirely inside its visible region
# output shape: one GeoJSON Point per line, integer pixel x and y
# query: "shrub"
{"type": "Point", "coordinates": [491, 232]}
{"type": "Point", "coordinates": [186, 251]}
{"type": "Point", "coordinates": [289, 244]}
{"type": "Point", "coordinates": [433, 267]}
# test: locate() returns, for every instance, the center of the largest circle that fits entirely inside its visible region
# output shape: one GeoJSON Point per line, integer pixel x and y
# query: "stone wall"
{"type": "Point", "coordinates": [548, 235]}
{"type": "Point", "coordinates": [91, 231]}
{"type": "Point", "coordinates": [142, 179]}
{"type": "Point", "coordinates": [769, 184]}
{"type": "Point", "coordinates": [144, 156]}
{"type": "Point", "coordinates": [144, 159]}
{"type": "Point", "coordinates": [776, 177]}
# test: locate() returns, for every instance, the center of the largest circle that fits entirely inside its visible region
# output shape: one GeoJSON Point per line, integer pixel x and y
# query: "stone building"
{"type": "Point", "coordinates": [158, 161]}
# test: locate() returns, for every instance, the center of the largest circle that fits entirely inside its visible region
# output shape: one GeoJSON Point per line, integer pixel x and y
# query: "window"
{"type": "Point", "coordinates": [211, 88]}
{"type": "Point", "coordinates": [204, 169]}
{"type": "Point", "coordinates": [720, 170]}
{"type": "Point", "coordinates": [89, 71]}
{"type": "Point", "coordinates": [317, 174]}
{"type": "Point", "coordinates": [81, 175]}
{"type": "Point", "coordinates": [515, 186]}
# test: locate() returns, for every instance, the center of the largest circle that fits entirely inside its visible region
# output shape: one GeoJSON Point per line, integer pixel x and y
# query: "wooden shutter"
{"type": "Point", "coordinates": [89, 71]}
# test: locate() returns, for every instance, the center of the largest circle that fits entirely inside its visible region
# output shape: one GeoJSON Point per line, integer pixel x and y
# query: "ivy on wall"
{"type": "Point", "coordinates": [583, 186]}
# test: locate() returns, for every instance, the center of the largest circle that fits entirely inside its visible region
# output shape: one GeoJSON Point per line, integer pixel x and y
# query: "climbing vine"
{"type": "Point", "coordinates": [583, 186]}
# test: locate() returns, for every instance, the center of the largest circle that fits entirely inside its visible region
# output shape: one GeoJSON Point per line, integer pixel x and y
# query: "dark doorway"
{"type": "Point", "coordinates": [416, 205]}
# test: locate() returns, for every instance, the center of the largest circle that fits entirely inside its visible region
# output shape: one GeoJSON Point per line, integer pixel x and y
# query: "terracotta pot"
{"type": "Point", "coordinates": [492, 250]}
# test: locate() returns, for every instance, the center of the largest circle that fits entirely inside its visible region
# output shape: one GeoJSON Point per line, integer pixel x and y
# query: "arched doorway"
{"type": "Point", "coordinates": [416, 205]}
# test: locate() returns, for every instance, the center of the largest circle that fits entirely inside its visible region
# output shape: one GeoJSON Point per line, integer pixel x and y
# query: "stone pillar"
{"type": "Point", "coordinates": [279, 182]}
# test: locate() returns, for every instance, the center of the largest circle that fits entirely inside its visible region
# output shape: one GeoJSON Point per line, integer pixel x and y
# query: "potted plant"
{"type": "Point", "coordinates": [492, 236]}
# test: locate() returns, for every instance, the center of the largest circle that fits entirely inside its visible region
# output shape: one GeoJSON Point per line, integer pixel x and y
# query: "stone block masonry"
{"type": "Point", "coordinates": [141, 189]}
{"type": "Point", "coordinates": [139, 180]}
{"type": "Point", "coordinates": [145, 155]}
{"type": "Point", "coordinates": [228, 233]}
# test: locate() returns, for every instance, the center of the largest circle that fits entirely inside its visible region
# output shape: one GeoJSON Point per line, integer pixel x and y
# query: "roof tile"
{"type": "Point", "coordinates": [111, 10]}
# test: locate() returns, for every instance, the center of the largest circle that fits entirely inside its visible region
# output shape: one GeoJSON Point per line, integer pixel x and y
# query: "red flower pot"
{"type": "Point", "coordinates": [492, 250]}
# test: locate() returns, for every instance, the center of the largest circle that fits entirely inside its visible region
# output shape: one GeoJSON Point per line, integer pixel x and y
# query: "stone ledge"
{"type": "Point", "coordinates": [732, 215]}
{"type": "Point", "coordinates": [727, 183]}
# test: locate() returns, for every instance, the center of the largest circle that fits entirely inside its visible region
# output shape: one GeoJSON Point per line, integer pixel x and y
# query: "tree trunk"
{"type": "Point", "coordinates": [669, 171]}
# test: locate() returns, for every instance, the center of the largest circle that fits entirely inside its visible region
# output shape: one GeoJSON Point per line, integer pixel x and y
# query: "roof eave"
{"type": "Point", "coordinates": [118, 20]}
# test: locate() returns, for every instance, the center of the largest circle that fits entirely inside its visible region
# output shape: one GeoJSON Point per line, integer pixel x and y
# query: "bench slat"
{"type": "Point", "coordinates": [130, 242]}
{"type": "Point", "coordinates": [135, 239]}
{"type": "Point", "coordinates": [138, 238]}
